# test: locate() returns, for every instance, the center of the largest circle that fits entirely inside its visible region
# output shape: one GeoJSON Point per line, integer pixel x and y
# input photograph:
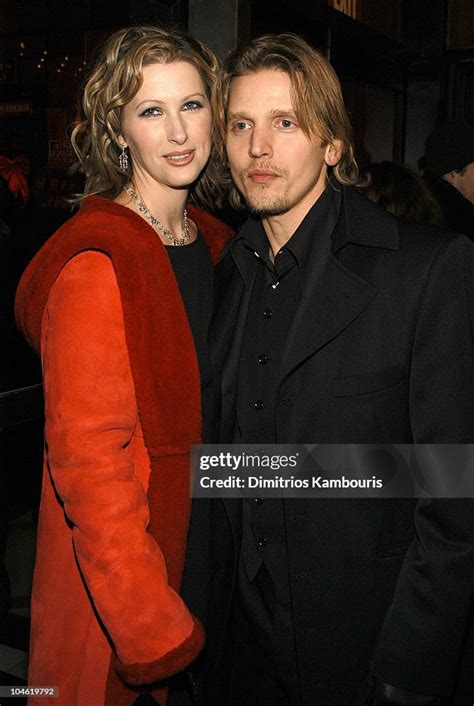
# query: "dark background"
{"type": "Point", "coordinates": [403, 65]}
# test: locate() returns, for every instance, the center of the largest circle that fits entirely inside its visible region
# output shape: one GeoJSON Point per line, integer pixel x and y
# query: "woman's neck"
{"type": "Point", "coordinates": [164, 203]}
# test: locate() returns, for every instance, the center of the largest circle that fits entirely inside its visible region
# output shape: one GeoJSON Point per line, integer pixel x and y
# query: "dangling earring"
{"type": "Point", "coordinates": [123, 159]}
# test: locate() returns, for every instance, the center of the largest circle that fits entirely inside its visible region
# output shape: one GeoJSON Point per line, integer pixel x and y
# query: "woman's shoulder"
{"type": "Point", "coordinates": [104, 212]}
{"type": "Point", "coordinates": [101, 225]}
{"type": "Point", "coordinates": [90, 264]}
{"type": "Point", "coordinates": [89, 276]}
{"type": "Point", "coordinates": [100, 232]}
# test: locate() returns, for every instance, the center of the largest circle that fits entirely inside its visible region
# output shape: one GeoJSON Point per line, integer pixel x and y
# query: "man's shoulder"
{"type": "Point", "coordinates": [235, 245]}
{"type": "Point", "coordinates": [231, 243]}
{"type": "Point", "coordinates": [412, 237]}
{"type": "Point", "coordinates": [227, 264]}
{"type": "Point", "coordinates": [427, 234]}
{"type": "Point", "coordinates": [430, 240]}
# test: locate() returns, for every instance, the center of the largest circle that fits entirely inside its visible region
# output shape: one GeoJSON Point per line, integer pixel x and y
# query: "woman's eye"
{"type": "Point", "coordinates": [192, 105]}
{"type": "Point", "coordinates": [150, 112]}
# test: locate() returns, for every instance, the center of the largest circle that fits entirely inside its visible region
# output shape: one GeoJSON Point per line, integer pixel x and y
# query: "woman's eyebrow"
{"type": "Point", "coordinates": [161, 102]}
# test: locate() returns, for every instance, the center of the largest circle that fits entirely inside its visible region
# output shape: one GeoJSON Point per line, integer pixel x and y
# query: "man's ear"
{"type": "Point", "coordinates": [333, 153]}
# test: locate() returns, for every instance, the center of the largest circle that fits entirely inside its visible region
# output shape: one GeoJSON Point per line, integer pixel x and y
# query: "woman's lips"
{"type": "Point", "coordinates": [179, 159]}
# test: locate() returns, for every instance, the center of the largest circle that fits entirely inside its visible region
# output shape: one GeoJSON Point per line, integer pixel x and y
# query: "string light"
{"type": "Point", "coordinates": [62, 66]}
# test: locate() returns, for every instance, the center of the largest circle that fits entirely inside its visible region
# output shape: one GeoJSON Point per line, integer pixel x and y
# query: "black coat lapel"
{"type": "Point", "coordinates": [334, 294]}
{"type": "Point", "coordinates": [329, 304]}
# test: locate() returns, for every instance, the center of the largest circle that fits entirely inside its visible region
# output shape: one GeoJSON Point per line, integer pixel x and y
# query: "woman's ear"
{"type": "Point", "coordinates": [333, 153]}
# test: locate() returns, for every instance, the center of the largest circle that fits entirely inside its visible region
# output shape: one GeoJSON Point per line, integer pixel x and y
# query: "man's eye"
{"type": "Point", "coordinates": [286, 123]}
{"type": "Point", "coordinates": [240, 126]}
{"type": "Point", "coordinates": [150, 112]}
{"type": "Point", "coordinates": [192, 105]}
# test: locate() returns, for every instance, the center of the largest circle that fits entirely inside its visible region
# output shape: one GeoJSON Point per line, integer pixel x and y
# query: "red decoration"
{"type": "Point", "coordinates": [15, 172]}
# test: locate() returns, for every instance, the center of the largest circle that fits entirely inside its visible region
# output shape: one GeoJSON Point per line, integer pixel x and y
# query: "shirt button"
{"type": "Point", "coordinates": [258, 404]}
{"type": "Point", "coordinates": [262, 542]}
{"type": "Point", "coordinates": [258, 501]}
{"type": "Point", "coordinates": [268, 313]}
{"type": "Point", "coordinates": [262, 359]}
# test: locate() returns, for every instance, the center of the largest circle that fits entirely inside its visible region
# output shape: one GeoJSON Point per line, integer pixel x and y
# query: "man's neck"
{"type": "Point", "coordinates": [279, 229]}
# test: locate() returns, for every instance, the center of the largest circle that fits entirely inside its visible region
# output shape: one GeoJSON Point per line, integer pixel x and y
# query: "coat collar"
{"type": "Point", "coordinates": [335, 295]}
{"type": "Point", "coordinates": [361, 222]}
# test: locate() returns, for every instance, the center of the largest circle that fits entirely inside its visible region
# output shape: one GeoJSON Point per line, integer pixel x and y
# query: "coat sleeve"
{"type": "Point", "coordinates": [421, 642]}
{"type": "Point", "coordinates": [91, 414]}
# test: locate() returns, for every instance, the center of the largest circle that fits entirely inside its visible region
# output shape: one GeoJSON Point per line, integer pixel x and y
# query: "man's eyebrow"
{"type": "Point", "coordinates": [277, 112]}
{"type": "Point", "coordinates": [274, 113]}
{"type": "Point", "coordinates": [235, 116]}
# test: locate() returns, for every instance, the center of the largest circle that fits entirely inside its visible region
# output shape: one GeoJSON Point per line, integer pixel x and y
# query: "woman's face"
{"type": "Point", "coordinates": [167, 126]}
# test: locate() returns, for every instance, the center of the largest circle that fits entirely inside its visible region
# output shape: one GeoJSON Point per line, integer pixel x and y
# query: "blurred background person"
{"type": "Point", "coordinates": [401, 191]}
{"type": "Point", "coordinates": [449, 173]}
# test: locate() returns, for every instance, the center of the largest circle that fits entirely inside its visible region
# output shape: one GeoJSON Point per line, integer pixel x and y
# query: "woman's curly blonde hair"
{"type": "Point", "coordinates": [114, 81]}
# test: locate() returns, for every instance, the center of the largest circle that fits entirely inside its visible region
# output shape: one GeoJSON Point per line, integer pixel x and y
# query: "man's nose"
{"type": "Point", "coordinates": [260, 143]}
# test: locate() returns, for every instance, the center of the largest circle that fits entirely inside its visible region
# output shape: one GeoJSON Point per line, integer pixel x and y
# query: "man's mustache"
{"type": "Point", "coordinates": [266, 168]}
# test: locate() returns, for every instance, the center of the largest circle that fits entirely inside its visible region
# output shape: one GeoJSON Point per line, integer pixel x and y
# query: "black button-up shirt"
{"type": "Point", "coordinates": [277, 290]}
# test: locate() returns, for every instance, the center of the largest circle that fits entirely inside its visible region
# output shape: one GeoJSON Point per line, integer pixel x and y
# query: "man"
{"type": "Point", "coordinates": [449, 173]}
{"type": "Point", "coordinates": [335, 324]}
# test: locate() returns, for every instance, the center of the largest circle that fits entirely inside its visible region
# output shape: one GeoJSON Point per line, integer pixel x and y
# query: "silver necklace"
{"type": "Point", "coordinates": [147, 214]}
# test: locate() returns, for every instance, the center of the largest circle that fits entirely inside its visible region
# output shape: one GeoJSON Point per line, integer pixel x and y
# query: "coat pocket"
{"type": "Point", "coordinates": [366, 383]}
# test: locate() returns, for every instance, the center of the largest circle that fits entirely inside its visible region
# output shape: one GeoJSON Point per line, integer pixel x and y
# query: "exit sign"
{"type": "Point", "coordinates": [347, 7]}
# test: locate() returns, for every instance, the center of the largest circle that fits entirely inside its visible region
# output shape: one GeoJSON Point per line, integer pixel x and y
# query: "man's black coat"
{"type": "Point", "coordinates": [380, 352]}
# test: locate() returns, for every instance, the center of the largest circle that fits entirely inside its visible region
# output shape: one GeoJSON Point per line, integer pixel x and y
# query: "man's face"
{"type": "Point", "coordinates": [275, 166]}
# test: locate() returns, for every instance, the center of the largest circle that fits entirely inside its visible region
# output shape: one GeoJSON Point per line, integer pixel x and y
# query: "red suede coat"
{"type": "Point", "coordinates": [122, 405]}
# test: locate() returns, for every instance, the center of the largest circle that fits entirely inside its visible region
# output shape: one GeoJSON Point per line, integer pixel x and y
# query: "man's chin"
{"type": "Point", "coordinates": [267, 209]}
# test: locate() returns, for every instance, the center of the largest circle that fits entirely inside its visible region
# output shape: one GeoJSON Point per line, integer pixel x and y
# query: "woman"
{"type": "Point", "coordinates": [113, 302]}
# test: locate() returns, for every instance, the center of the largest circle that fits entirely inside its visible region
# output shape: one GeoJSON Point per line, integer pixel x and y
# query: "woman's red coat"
{"type": "Point", "coordinates": [122, 406]}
